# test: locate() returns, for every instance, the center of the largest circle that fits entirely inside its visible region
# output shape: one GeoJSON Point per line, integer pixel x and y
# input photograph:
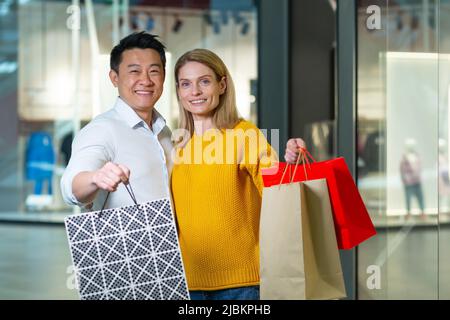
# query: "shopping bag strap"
{"type": "Point", "coordinates": [305, 158]}
{"type": "Point", "coordinates": [130, 192]}
{"type": "Point", "coordinates": [307, 154]}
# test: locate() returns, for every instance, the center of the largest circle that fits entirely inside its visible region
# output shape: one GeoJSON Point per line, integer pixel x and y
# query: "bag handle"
{"type": "Point", "coordinates": [130, 192]}
{"type": "Point", "coordinates": [306, 152]}
{"type": "Point", "coordinates": [305, 157]}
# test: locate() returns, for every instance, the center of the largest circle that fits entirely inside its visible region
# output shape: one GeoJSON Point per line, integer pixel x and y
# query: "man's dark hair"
{"type": "Point", "coordinates": [139, 40]}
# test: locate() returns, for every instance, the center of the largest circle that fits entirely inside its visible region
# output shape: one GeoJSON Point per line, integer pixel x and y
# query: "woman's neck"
{"type": "Point", "coordinates": [201, 125]}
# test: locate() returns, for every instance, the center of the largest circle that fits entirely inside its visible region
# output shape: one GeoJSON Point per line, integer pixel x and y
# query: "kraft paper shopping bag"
{"type": "Point", "coordinates": [299, 257]}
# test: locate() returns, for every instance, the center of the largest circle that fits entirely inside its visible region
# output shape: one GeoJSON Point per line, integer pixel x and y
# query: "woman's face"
{"type": "Point", "coordinates": [199, 90]}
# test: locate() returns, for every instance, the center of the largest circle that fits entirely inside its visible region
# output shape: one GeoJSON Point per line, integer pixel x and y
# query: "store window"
{"type": "Point", "coordinates": [54, 63]}
{"type": "Point", "coordinates": [402, 119]}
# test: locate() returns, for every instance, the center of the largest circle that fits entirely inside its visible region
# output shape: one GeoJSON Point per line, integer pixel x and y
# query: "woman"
{"type": "Point", "coordinates": [216, 182]}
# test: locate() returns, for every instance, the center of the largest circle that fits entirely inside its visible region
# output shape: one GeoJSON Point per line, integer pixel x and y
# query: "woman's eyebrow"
{"type": "Point", "coordinates": [203, 76]}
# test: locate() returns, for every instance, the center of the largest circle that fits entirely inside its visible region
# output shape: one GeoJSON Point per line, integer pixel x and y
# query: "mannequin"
{"type": "Point", "coordinates": [410, 170]}
{"type": "Point", "coordinates": [40, 161]}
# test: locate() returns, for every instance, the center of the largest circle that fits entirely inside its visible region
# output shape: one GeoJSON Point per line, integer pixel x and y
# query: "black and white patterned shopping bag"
{"type": "Point", "coordinates": [127, 253]}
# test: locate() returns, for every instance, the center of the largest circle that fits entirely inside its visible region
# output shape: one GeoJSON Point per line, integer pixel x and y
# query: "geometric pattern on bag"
{"type": "Point", "coordinates": [128, 253]}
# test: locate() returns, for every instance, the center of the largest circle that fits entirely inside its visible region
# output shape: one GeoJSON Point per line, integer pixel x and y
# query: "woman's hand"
{"type": "Point", "coordinates": [292, 149]}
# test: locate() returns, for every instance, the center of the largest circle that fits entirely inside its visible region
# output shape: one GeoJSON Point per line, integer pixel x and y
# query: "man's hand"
{"type": "Point", "coordinates": [110, 176]}
{"type": "Point", "coordinates": [292, 149]}
{"type": "Point", "coordinates": [86, 184]}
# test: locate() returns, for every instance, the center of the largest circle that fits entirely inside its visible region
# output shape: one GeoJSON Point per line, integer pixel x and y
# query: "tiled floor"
{"type": "Point", "coordinates": [33, 262]}
{"type": "Point", "coordinates": [408, 262]}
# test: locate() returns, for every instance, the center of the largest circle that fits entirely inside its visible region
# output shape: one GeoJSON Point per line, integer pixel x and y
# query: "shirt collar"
{"type": "Point", "coordinates": [158, 123]}
{"type": "Point", "coordinates": [130, 117]}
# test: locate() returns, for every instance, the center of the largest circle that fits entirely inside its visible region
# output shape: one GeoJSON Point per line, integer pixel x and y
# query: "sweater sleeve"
{"type": "Point", "coordinates": [256, 154]}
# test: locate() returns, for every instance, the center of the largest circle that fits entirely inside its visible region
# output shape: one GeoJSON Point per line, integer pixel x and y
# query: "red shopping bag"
{"type": "Point", "coordinates": [351, 219]}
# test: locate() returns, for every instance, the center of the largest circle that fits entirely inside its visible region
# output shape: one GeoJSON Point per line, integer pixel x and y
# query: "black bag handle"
{"type": "Point", "coordinates": [130, 192]}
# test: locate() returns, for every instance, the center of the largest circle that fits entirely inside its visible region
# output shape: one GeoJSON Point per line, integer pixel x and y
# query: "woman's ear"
{"type": "Point", "coordinates": [223, 84]}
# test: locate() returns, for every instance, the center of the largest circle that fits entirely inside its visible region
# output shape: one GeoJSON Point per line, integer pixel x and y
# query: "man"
{"type": "Point", "coordinates": [129, 143]}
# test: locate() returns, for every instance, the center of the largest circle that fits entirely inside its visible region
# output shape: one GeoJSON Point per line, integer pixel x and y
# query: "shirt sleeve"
{"type": "Point", "coordinates": [91, 149]}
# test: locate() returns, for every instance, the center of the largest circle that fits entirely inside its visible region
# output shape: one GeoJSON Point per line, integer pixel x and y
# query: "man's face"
{"type": "Point", "coordinates": [140, 79]}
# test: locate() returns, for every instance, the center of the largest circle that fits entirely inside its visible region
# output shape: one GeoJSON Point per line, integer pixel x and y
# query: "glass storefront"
{"type": "Point", "coordinates": [403, 83]}
{"type": "Point", "coordinates": [54, 64]}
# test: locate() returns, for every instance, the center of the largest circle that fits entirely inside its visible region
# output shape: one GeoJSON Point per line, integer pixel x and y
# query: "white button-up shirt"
{"type": "Point", "coordinates": [121, 136]}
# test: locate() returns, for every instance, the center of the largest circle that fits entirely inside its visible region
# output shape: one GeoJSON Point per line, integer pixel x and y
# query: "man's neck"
{"type": "Point", "coordinates": [147, 117]}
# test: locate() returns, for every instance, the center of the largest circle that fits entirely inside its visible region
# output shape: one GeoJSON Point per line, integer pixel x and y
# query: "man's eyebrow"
{"type": "Point", "coordinates": [138, 65]}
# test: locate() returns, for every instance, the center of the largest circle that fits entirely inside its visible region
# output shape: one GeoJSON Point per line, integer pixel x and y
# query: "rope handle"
{"type": "Point", "coordinates": [305, 158]}
{"type": "Point", "coordinates": [130, 192]}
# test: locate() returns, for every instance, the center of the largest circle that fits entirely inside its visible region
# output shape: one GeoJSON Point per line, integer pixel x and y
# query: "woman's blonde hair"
{"type": "Point", "coordinates": [225, 114]}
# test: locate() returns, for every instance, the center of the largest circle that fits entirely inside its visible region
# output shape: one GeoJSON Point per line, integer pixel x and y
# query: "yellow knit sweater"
{"type": "Point", "coordinates": [217, 186]}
